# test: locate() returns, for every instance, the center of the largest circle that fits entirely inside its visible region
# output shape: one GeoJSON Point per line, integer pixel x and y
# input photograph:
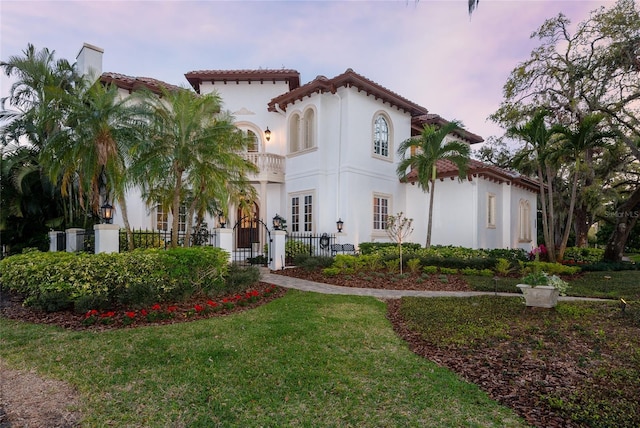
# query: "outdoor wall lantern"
{"type": "Point", "coordinates": [222, 220]}
{"type": "Point", "coordinates": [106, 211]}
{"type": "Point", "coordinates": [267, 134]}
{"type": "Point", "coordinates": [339, 225]}
{"type": "Point", "coordinates": [277, 222]}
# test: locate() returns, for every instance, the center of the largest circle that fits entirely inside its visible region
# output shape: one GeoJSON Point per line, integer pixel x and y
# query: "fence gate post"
{"type": "Point", "coordinates": [107, 238]}
{"type": "Point", "coordinates": [277, 249]}
{"type": "Point", "coordinates": [225, 241]}
{"type": "Point", "coordinates": [75, 240]}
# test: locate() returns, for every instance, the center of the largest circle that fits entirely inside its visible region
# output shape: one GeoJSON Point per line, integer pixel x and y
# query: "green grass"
{"type": "Point", "coordinates": [609, 284]}
{"type": "Point", "coordinates": [594, 338]}
{"type": "Point", "coordinates": [305, 360]}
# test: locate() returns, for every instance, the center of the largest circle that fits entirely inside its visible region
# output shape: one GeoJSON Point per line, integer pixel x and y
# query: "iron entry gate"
{"type": "Point", "coordinates": [251, 241]}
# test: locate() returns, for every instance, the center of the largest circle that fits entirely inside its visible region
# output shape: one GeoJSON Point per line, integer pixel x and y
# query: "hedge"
{"type": "Point", "coordinates": [60, 280]}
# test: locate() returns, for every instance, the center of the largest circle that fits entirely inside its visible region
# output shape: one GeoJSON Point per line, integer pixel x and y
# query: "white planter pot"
{"type": "Point", "coordinates": [540, 296]}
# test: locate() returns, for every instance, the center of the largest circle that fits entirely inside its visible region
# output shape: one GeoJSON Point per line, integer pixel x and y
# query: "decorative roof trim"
{"type": "Point", "coordinates": [196, 78]}
{"type": "Point", "coordinates": [348, 79]}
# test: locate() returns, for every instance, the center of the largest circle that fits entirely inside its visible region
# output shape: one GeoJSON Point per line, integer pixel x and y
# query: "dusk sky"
{"type": "Point", "coordinates": [430, 52]}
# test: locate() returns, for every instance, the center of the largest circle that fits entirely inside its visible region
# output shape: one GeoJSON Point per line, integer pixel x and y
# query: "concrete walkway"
{"type": "Point", "coordinates": [319, 287]}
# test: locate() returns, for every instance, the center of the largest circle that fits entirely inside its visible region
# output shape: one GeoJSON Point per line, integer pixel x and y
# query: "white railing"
{"type": "Point", "coordinates": [271, 166]}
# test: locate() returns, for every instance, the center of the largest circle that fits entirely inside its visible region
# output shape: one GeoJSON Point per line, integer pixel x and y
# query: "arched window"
{"type": "Point", "coordinates": [308, 131]}
{"type": "Point", "coordinates": [294, 133]}
{"type": "Point", "coordinates": [381, 136]}
{"type": "Point", "coordinates": [524, 227]}
{"type": "Point", "coordinates": [254, 141]}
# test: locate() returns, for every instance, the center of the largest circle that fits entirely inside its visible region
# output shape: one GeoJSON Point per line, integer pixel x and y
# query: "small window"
{"type": "Point", "coordinates": [182, 218]}
{"type": "Point", "coordinates": [162, 218]}
{"type": "Point", "coordinates": [491, 210]}
{"type": "Point", "coordinates": [524, 233]}
{"type": "Point", "coordinates": [381, 136]}
{"type": "Point", "coordinates": [302, 213]}
{"type": "Point", "coordinates": [380, 212]}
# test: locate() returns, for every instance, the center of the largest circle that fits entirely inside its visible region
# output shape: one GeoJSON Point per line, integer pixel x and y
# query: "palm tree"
{"type": "Point", "coordinates": [191, 148]}
{"type": "Point", "coordinates": [32, 112]}
{"type": "Point", "coordinates": [574, 145]}
{"type": "Point", "coordinates": [537, 136]}
{"type": "Point", "coordinates": [93, 148]}
{"type": "Point", "coordinates": [428, 149]}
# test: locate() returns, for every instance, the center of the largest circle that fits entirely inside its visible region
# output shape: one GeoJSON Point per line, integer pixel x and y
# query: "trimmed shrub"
{"type": "Point", "coordinates": [58, 280]}
{"type": "Point", "coordinates": [584, 255]}
{"type": "Point", "coordinates": [294, 247]}
{"type": "Point", "coordinates": [238, 279]}
{"type": "Point", "coordinates": [377, 247]}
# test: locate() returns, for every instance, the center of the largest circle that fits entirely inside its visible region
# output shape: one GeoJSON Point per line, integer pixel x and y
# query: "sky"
{"type": "Point", "coordinates": [429, 51]}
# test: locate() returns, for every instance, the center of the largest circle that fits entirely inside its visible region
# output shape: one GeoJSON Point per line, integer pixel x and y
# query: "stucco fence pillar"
{"type": "Point", "coordinates": [224, 241]}
{"type": "Point", "coordinates": [107, 238]}
{"type": "Point", "coordinates": [75, 239]}
{"type": "Point", "coordinates": [278, 249]}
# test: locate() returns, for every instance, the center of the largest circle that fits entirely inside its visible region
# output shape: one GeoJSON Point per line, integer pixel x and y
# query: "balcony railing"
{"type": "Point", "coordinates": [271, 166]}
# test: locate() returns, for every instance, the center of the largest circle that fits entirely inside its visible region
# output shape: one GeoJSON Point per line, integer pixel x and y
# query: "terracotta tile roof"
{"type": "Point", "coordinates": [349, 78]}
{"type": "Point", "coordinates": [418, 122]}
{"type": "Point", "coordinates": [195, 78]}
{"type": "Point", "coordinates": [135, 83]}
{"type": "Point", "coordinates": [447, 169]}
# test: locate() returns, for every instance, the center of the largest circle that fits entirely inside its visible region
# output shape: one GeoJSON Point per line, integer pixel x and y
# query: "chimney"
{"type": "Point", "coordinates": [89, 61]}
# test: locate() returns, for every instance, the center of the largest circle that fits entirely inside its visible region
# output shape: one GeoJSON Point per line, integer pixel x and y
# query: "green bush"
{"type": "Point", "coordinates": [584, 255]}
{"type": "Point", "coordinates": [294, 247]}
{"type": "Point", "coordinates": [238, 279]}
{"type": "Point", "coordinates": [376, 247]}
{"type": "Point", "coordinates": [59, 279]}
{"type": "Point", "coordinates": [313, 263]}
{"type": "Point", "coordinates": [448, 271]}
{"type": "Point", "coordinates": [413, 265]}
{"type": "Point", "coordinates": [551, 268]}
{"type": "Point", "coordinates": [430, 269]}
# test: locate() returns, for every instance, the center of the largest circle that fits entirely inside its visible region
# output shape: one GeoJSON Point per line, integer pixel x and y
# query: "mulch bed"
{"type": "Point", "coordinates": [11, 307]}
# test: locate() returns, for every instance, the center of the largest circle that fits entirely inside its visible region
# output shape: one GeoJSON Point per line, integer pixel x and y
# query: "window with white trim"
{"type": "Point", "coordinates": [162, 218]}
{"type": "Point", "coordinates": [302, 213]}
{"type": "Point", "coordinates": [524, 228]}
{"type": "Point", "coordinates": [491, 210]}
{"type": "Point", "coordinates": [381, 136]}
{"type": "Point", "coordinates": [381, 204]}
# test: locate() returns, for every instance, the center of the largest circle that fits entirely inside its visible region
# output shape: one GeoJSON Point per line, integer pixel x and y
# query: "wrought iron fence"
{"type": "Point", "coordinates": [144, 238]}
{"type": "Point", "coordinates": [308, 244]}
{"type": "Point", "coordinates": [88, 239]}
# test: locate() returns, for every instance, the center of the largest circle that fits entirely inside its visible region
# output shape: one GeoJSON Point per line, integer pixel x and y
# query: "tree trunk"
{"type": "Point", "coordinates": [125, 219]}
{"type": "Point", "coordinates": [430, 221]}
{"type": "Point", "coordinates": [572, 203]}
{"type": "Point", "coordinates": [581, 227]}
{"type": "Point", "coordinates": [551, 249]}
{"type": "Point", "coordinates": [175, 208]}
{"type": "Point", "coordinates": [626, 218]}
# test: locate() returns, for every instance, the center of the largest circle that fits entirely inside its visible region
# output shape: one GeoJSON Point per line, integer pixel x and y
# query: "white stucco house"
{"type": "Point", "coordinates": [326, 151]}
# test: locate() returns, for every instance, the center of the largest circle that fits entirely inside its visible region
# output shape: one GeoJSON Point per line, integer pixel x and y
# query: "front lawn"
{"type": "Point", "coordinates": [304, 360]}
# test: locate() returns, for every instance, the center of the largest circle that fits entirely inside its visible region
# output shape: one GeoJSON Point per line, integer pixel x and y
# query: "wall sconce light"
{"type": "Point", "coordinates": [339, 225]}
{"type": "Point", "coordinates": [106, 212]}
{"type": "Point", "coordinates": [267, 134]}
{"type": "Point", "coordinates": [222, 219]}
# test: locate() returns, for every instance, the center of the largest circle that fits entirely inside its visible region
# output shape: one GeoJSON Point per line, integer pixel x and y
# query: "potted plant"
{"type": "Point", "coordinates": [542, 290]}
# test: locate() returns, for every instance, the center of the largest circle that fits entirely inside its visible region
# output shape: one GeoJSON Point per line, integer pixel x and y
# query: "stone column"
{"type": "Point", "coordinates": [107, 238]}
{"type": "Point", "coordinates": [277, 249]}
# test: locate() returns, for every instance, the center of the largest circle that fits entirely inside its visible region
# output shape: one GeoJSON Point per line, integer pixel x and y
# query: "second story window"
{"type": "Point", "coordinates": [381, 136]}
{"type": "Point", "coordinates": [302, 131]}
{"type": "Point", "coordinates": [253, 144]}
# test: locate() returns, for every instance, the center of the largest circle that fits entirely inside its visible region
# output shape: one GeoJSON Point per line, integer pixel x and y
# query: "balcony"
{"type": "Point", "coordinates": [271, 166]}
